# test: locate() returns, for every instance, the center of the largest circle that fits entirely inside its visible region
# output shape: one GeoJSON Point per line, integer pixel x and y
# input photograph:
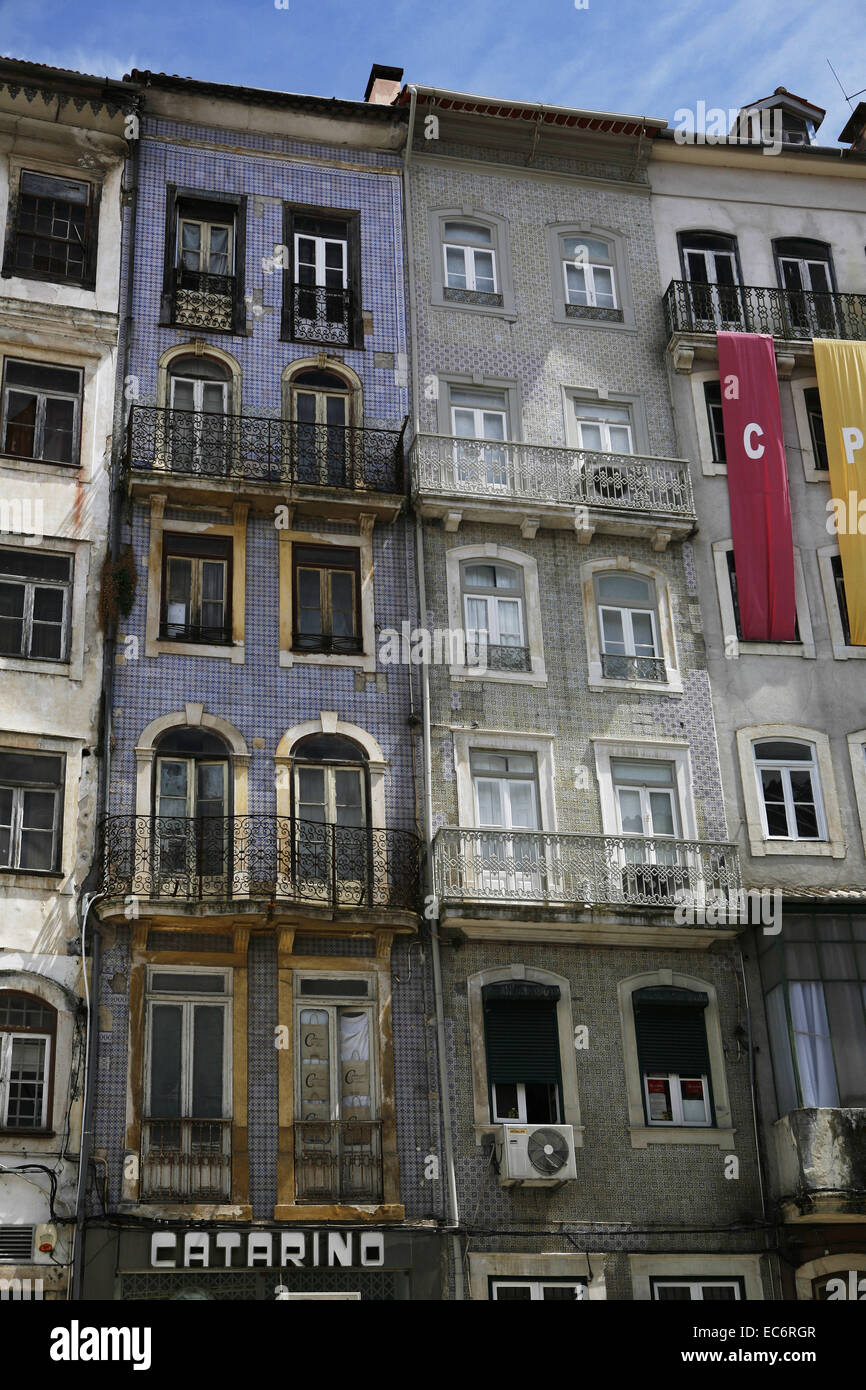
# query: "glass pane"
{"type": "Point", "coordinates": [812, 1045]}
{"type": "Point", "coordinates": [575, 280]}
{"type": "Point", "coordinates": [183, 982]}
{"type": "Point", "coordinates": [779, 751]}
{"type": "Point", "coordinates": [622, 588]}
{"type": "Point", "coordinates": [356, 1097]}
{"type": "Point", "coordinates": [588, 248]}
{"type": "Point", "coordinates": [522, 796]}
{"type": "Point", "coordinates": [48, 605]}
{"type": "Point", "coordinates": [20, 424]}
{"type": "Point", "coordinates": [468, 233]}
{"type": "Point", "coordinates": [455, 268]}
{"type": "Point", "coordinates": [173, 780]}
{"type": "Point", "coordinates": [630, 814]}
{"type": "Point", "coordinates": [165, 1060]}
{"type": "Point", "coordinates": [490, 807]}
{"type": "Point", "coordinates": [211, 785]}
{"type": "Point", "coordinates": [845, 1006]}
{"type": "Point", "coordinates": [311, 793]}
{"type": "Point", "coordinates": [662, 813]}
{"type": "Point", "coordinates": [509, 622]}
{"type": "Point", "coordinates": [213, 574]}
{"type": "Point", "coordinates": [620, 439]}
{"type": "Point", "coordinates": [207, 1062]}
{"type": "Point", "coordinates": [692, 1093]}
{"type": "Point", "coordinates": [642, 629]}
{"type": "Point", "coordinates": [480, 576]}
{"type": "Point", "coordinates": [348, 797]}
{"type": "Point", "coordinates": [613, 637]}
{"type": "Point", "coordinates": [505, 1105]}
{"type": "Point", "coordinates": [11, 618]}
{"type": "Point", "coordinates": [182, 394]}
{"type": "Point", "coordinates": [59, 430]}
{"type": "Point", "coordinates": [643, 771]}
{"type": "Point", "coordinates": [493, 425]}
{"type": "Point", "coordinates": [26, 1083]}
{"type": "Point", "coordinates": [589, 436]}
{"type": "Point", "coordinates": [485, 281]}
{"type": "Point", "coordinates": [819, 275]}
{"type": "Point", "coordinates": [603, 281]}
{"type": "Point", "coordinates": [659, 1094]}
{"type": "Point", "coordinates": [673, 1293]}
{"type": "Point", "coordinates": [464, 424]}
{"type": "Point", "coordinates": [513, 1293]}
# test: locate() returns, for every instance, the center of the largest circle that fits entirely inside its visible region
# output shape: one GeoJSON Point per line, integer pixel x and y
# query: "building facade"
{"type": "Point", "coordinates": [263, 1114]}
{"type": "Point", "coordinates": [763, 237]}
{"type": "Point", "coordinates": [62, 137]}
{"type": "Point", "coordinates": [602, 1128]}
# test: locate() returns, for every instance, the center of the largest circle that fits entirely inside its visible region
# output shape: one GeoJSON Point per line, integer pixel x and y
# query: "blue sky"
{"type": "Point", "coordinates": [618, 55]}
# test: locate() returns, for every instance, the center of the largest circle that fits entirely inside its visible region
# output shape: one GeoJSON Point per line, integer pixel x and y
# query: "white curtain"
{"type": "Point", "coordinates": [812, 1042]}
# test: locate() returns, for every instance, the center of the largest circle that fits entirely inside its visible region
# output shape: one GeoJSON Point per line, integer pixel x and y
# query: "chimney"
{"type": "Point", "coordinates": [383, 85]}
{"type": "Point", "coordinates": [855, 130]}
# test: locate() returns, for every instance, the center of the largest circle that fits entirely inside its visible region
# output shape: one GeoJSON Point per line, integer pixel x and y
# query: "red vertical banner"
{"type": "Point", "coordinates": [757, 487]}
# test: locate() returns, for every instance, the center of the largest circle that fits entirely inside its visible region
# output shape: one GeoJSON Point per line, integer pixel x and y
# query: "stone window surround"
{"type": "Point", "coordinates": [192, 716]}
{"type": "Point", "coordinates": [65, 1005]}
{"type": "Point", "coordinates": [672, 684]}
{"type": "Point", "coordinates": [525, 1265]}
{"type": "Point", "coordinates": [436, 219]}
{"type": "Point", "coordinates": [827, 1264]}
{"type": "Point", "coordinates": [857, 754]}
{"type": "Point", "coordinates": [329, 722]}
{"type": "Point", "coordinates": [834, 846]}
{"type": "Point", "coordinates": [508, 386]}
{"type": "Point", "coordinates": [710, 466]}
{"type": "Point", "coordinates": [804, 435]}
{"type": "Point", "coordinates": [236, 532]}
{"type": "Point", "coordinates": [195, 347]}
{"type": "Point", "coordinates": [504, 741]}
{"type": "Point", "coordinates": [60, 880]}
{"type": "Point", "coordinates": [721, 1134]}
{"type": "Point", "coordinates": [672, 750]}
{"type": "Point", "coordinates": [322, 362]}
{"type": "Point", "coordinates": [693, 1266]}
{"type": "Point", "coordinates": [458, 555]}
{"type": "Point", "coordinates": [591, 395]}
{"type": "Point", "coordinates": [618, 244]}
{"type": "Point", "coordinates": [365, 660]}
{"type": "Point", "coordinates": [73, 667]}
{"type": "Point", "coordinates": [62, 168]}
{"type": "Point", "coordinates": [804, 648]}
{"type": "Point", "coordinates": [88, 363]}
{"type": "Point", "coordinates": [478, 1053]}
{"type": "Point", "coordinates": [841, 650]}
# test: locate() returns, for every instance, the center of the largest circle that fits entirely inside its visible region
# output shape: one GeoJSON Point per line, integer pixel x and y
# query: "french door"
{"type": "Point", "coordinates": [508, 865]}
{"type": "Point", "coordinates": [714, 290]}
{"type": "Point", "coordinates": [191, 844]}
{"type": "Point", "coordinates": [198, 436]}
{"type": "Point", "coordinates": [811, 307]}
{"type": "Point", "coordinates": [321, 448]}
{"type": "Point", "coordinates": [648, 815]}
{"type": "Point", "coordinates": [480, 466]}
{"type": "Point", "coordinates": [332, 848]}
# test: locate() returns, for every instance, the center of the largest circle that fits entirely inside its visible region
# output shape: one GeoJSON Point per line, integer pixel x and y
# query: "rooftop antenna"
{"type": "Point", "coordinates": [842, 89]}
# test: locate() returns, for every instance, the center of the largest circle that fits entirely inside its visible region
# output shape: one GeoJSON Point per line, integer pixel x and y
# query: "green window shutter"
{"type": "Point", "coordinates": [522, 1041]}
{"type": "Point", "coordinates": [671, 1032]}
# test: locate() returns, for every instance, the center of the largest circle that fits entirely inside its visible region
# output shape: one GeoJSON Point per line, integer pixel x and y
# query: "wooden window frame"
{"type": "Point", "coordinates": [200, 204]}
{"type": "Point", "coordinates": [41, 397]}
{"type": "Point", "coordinates": [326, 638]}
{"type": "Point", "coordinates": [22, 1030]}
{"type": "Point", "coordinates": [87, 279]}
{"type": "Point", "coordinates": [18, 788]}
{"type": "Point", "coordinates": [352, 273]}
{"type": "Point", "coordinates": [30, 585]}
{"type": "Point", "coordinates": [172, 550]}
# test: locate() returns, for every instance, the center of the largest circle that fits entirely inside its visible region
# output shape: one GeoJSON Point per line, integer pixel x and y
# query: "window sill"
{"type": "Point", "coordinates": [13, 272]}
{"type": "Point", "coordinates": [27, 1133]}
{"type": "Point", "coordinates": [468, 673]}
{"type": "Point", "coordinates": [340, 1211]}
{"type": "Point", "coordinates": [843, 652]}
{"type": "Point", "coordinates": [34, 667]}
{"type": "Point", "coordinates": [643, 1135]}
{"type": "Point", "coordinates": [602, 683]}
{"type": "Point", "coordinates": [43, 879]}
{"type": "Point", "coordinates": [824, 849]}
{"type": "Point", "coordinates": [183, 1211]}
{"type": "Point", "coordinates": [359, 660]}
{"type": "Point", "coordinates": [498, 311]}
{"type": "Point", "coordinates": [228, 652]}
{"type": "Point", "coordinates": [623, 325]}
{"type": "Point", "coordinates": [801, 650]}
{"type": "Point", "coordinates": [50, 466]}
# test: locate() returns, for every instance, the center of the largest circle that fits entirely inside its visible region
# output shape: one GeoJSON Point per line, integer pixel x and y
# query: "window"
{"type": "Point", "coordinates": [713, 399]}
{"type": "Point", "coordinates": [604, 429]}
{"type": "Point", "coordinates": [522, 1044]}
{"type": "Point", "coordinates": [35, 603]}
{"type": "Point", "coordinates": [322, 285]}
{"type": "Point", "coordinates": [41, 411]}
{"type": "Point", "coordinates": [204, 260]}
{"type": "Point", "coordinates": [805, 270]}
{"type": "Point", "coordinates": [196, 588]}
{"type": "Point", "coordinates": [197, 425]}
{"type": "Point", "coordinates": [332, 841]}
{"type": "Point", "coordinates": [325, 451]}
{"type": "Point", "coordinates": [338, 1153]}
{"type": "Point", "coordinates": [648, 815]}
{"type": "Point", "coordinates": [470, 263]}
{"type": "Point", "coordinates": [588, 272]}
{"type": "Point", "coordinates": [812, 400]}
{"type": "Point", "coordinates": [186, 1132]}
{"type": "Point", "coordinates": [707, 1290]}
{"type": "Point", "coordinates": [480, 415]}
{"type": "Point", "coordinates": [494, 614]}
{"type": "Point", "coordinates": [527, 1290]}
{"type": "Point", "coordinates": [326, 587]}
{"type": "Point", "coordinates": [191, 806]}
{"type": "Point", "coordinates": [505, 794]}
{"type": "Point", "coordinates": [732, 577]}
{"type": "Point", "coordinates": [628, 626]}
{"type": "Point", "coordinates": [789, 790]}
{"type": "Point", "coordinates": [53, 230]}
{"type": "Point", "coordinates": [31, 811]}
{"type": "Point", "coordinates": [673, 1057]}
{"type": "Point", "coordinates": [711, 271]}
{"type": "Point", "coordinates": [839, 588]}
{"type": "Point", "coordinates": [27, 1033]}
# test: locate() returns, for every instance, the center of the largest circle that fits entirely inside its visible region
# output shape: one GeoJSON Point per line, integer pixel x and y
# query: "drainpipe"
{"type": "Point", "coordinates": [86, 902]}
{"type": "Point", "coordinates": [444, 1088]}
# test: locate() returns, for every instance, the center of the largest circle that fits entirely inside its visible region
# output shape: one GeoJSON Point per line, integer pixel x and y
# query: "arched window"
{"type": "Point", "coordinates": [711, 268]}
{"type": "Point", "coordinates": [628, 626]}
{"type": "Point", "coordinates": [805, 269]}
{"type": "Point", "coordinates": [470, 258]}
{"type": "Point", "coordinates": [321, 404]}
{"type": "Point", "coordinates": [192, 804]}
{"type": "Point", "coordinates": [332, 837]}
{"type": "Point", "coordinates": [199, 396]}
{"type": "Point", "coordinates": [28, 1028]}
{"type": "Point", "coordinates": [493, 611]}
{"type": "Point", "coordinates": [789, 790]}
{"type": "Point", "coordinates": [588, 270]}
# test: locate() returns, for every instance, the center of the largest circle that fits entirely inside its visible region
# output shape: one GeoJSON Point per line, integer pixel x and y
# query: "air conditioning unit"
{"type": "Point", "coordinates": [536, 1155]}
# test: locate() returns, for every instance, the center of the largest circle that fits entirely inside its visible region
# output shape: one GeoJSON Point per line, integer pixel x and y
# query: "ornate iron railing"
{"type": "Point", "coordinates": [787, 314]}
{"type": "Point", "coordinates": [204, 300]}
{"type": "Point", "coordinates": [186, 1160]}
{"type": "Point", "coordinates": [320, 314]}
{"type": "Point", "coordinates": [632, 668]}
{"type": "Point", "coordinates": [259, 858]}
{"type": "Point", "coordinates": [264, 450]}
{"type": "Point", "coordinates": [533, 866]}
{"type": "Point", "coordinates": [326, 642]}
{"type": "Point", "coordinates": [459, 296]}
{"type": "Point", "coordinates": [194, 632]}
{"type": "Point", "coordinates": [550, 473]}
{"type": "Point", "coordinates": [338, 1161]}
{"type": "Point", "coordinates": [503, 658]}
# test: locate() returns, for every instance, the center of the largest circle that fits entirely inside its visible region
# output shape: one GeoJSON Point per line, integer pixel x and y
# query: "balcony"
{"type": "Point", "coordinates": [340, 1161]}
{"type": "Point", "coordinates": [203, 300]}
{"type": "Point", "coordinates": [531, 485]}
{"type": "Point", "coordinates": [252, 862]}
{"type": "Point", "coordinates": [821, 1163]}
{"type": "Point", "coordinates": [695, 313]}
{"type": "Point", "coordinates": [568, 874]}
{"type": "Point", "coordinates": [210, 458]}
{"type": "Point", "coordinates": [186, 1160]}
{"type": "Point", "coordinates": [320, 314]}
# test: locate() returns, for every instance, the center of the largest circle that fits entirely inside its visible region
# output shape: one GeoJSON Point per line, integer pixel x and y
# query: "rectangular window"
{"type": "Point", "coordinates": [839, 586]}
{"type": "Point", "coordinates": [604, 429]}
{"type": "Point", "coordinates": [532, 1290]}
{"type": "Point", "coordinates": [588, 271]}
{"type": "Point", "coordinates": [203, 275]}
{"type": "Point", "coordinates": [322, 283]}
{"type": "Point", "coordinates": [812, 399]}
{"type": "Point", "coordinates": [493, 614]}
{"type": "Point", "coordinates": [470, 258]}
{"type": "Point", "coordinates": [705, 1290]}
{"type": "Point", "coordinates": [196, 589]}
{"type": "Point", "coordinates": [789, 790]}
{"type": "Point", "coordinates": [713, 398]}
{"type": "Point", "coordinates": [673, 1057]}
{"type": "Point", "coordinates": [205, 247]}
{"type": "Point", "coordinates": [327, 591]}
{"type": "Point", "coordinates": [523, 1067]}
{"type": "Point", "coordinates": [31, 787]}
{"type": "Point", "coordinates": [35, 604]}
{"type": "Point", "coordinates": [41, 411]}
{"type": "Point", "coordinates": [732, 577]}
{"type": "Point", "coordinates": [54, 231]}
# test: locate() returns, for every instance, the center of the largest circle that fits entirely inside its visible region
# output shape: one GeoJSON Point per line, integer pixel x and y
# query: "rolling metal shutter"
{"type": "Point", "coordinates": [671, 1032]}
{"type": "Point", "coordinates": [521, 1033]}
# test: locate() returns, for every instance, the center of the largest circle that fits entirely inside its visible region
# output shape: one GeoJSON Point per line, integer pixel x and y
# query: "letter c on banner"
{"type": "Point", "coordinates": [753, 451]}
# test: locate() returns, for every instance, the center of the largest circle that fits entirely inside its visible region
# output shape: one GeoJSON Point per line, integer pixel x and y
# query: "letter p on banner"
{"type": "Point", "coordinates": [841, 372]}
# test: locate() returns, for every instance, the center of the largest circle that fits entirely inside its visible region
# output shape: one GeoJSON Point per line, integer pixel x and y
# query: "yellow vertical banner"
{"type": "Point", "coordinates": [841, 372]}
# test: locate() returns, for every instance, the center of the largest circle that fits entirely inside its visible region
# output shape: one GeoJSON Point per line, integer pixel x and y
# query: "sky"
{"type": "Point", "coordinates": [632, 56]}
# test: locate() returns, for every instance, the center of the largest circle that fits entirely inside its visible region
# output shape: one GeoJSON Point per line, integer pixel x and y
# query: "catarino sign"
{"type": "Point", "coordinates": [267, 1249]}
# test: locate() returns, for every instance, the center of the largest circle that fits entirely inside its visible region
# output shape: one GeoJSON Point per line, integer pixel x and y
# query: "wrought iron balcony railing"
{"type": "Point", "coordinates": [260, 449]}
{"type": "Point", "coordinates": [195, 632]}
{"type": "Point", "coordinates": [536, 867]}
{"type": "Point", "coordinates": [632, 668]}
{"type": "Point", "coordinates": [330, 643]}
{"type": "Point", "coordinates": [259, 858]}
{"type": "Point", "coordinates": [186, 1160]}
{"type": "Point", "coordinates": [786, 314]}
{"type": "Point", "coordinates": [320, 314]}
{"type": "Point", "coordinates": [338, 1161]}
{"type": "Point", "coordinates": [204, 300]}
{"type": "Point", "coordinates": [544, 473]}
{"type": "Point", "coordinates": [501, 658]}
